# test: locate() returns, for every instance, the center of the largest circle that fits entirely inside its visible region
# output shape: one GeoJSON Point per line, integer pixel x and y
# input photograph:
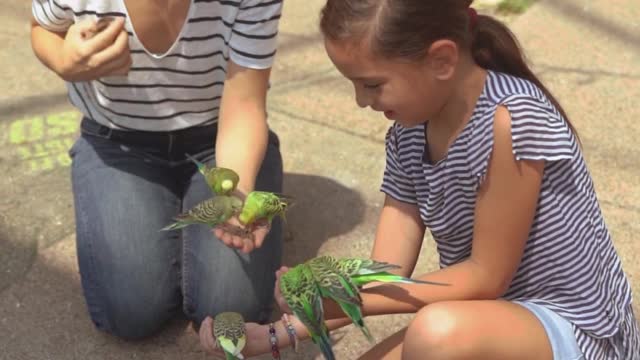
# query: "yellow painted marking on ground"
{"type": "Point", "coordinates": [42, 142]}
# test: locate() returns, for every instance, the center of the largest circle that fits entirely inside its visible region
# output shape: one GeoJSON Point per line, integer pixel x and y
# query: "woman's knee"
{"type": "Point", "coordinates": [252, 308]}
{"type": "Point", "coordinates": [130, 319]}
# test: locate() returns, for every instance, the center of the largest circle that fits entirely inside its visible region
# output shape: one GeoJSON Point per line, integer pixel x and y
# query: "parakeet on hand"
{"type": "Point", "coordinates": [262, 205]}
{"type": "Point", "coordinates": [229, 331]}
{"type": "Point", "coordinates": [364, 271]}
{"type": "Point", "coordinates": [222, 181]}
{"type": "Point", "coordinates": [337, 285]}
{"type": "Point", "coordinates": [300, 291]}
{"type": "Point", "coordinates": [212, 212]}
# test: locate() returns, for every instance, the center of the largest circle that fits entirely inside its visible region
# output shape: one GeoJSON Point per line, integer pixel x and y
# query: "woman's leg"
{"type": "Point", "coordinates": [476, 330]}
{"type": "Point", "coordinates": [129, 268]}
{"type": "Point", "coordinates": [217, 278]}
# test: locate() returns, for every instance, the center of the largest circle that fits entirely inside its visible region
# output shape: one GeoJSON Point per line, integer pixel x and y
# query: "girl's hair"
{"type": "Point", "coordinates": [404, 29]}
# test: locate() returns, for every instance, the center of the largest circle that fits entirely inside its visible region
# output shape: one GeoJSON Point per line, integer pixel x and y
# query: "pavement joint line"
{"type": "Point", "coordinates": [371, 139]}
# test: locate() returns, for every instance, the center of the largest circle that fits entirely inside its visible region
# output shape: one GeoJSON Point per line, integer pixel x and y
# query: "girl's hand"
{"type": "Point", "coordinates": [257, 339]}
{"type": "Point", "coordinates": [278, 295]}
{"type": "Point", "coordinates": [93, 49]}
{"type": "Point", "coordinates": [235, 235]}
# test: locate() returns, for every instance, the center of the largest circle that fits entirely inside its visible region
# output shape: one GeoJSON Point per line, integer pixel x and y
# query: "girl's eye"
{"type": "Point", "coordinates": [371, 86]}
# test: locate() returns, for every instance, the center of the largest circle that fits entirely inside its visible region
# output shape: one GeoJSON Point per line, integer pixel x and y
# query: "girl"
{"type": "Point", "coordinates": [482, 155]}
{"type": "Point", "coordinates": [150, 86]}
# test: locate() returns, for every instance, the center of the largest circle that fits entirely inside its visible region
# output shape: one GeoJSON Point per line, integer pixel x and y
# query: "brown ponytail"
{"type": "Point", "coordinates": [404, 29]}
{"type": "Point", "coordinates": [495, 47]}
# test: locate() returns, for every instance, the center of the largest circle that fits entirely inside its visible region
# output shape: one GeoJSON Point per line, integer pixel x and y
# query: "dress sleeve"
{"type": "Point", "coordinates": [396, 181]}
{"type": "Point", "coordinates": [538, 132]}
{"type": "Point", "coordinates": [53, 15]}
{"type": "Point", "coordinates": [253, 39]}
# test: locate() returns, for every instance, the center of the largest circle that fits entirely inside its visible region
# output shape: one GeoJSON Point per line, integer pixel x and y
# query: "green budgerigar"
{"type": "Point", "coordinates": [262, 205]}
{"type": "Point", "coordinates": [222, 181]}
{"type": "Point", "coordinates": [212, 212]}
{"type": "Point", "coordinates": [364, 271]}
{"type": "Point", "coordinates": [300, 291]}
{"type": "Point", "coordinates": [229, 331]}
{"type": "Point", "coordinates": [338, 286]}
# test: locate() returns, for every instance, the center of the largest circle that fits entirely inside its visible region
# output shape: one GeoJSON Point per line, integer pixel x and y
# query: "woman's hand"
{"type": "Point", "coordinates": [282, 303]}
{"type": "Point", "coordinates": [93, 49]}
{"type": "Point", "coordinates": [235, 235]}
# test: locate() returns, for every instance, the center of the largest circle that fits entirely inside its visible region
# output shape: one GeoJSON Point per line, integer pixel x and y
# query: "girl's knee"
{"type": "Point", "coordinates": [437, 328]}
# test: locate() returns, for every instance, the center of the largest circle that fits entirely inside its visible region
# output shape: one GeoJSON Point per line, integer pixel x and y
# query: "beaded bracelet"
{"type": "Point", "coordinates": [291, 331]}
{"type": "Point", "coordinates": [275, 352]}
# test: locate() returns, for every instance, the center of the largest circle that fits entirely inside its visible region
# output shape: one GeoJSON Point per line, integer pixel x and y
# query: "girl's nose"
{"type": "Point", "coordinates": [362, 99]}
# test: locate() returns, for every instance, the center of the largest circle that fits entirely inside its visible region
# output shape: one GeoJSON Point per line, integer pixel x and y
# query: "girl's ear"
{"type": "Point", "coordinates": [442, 58]}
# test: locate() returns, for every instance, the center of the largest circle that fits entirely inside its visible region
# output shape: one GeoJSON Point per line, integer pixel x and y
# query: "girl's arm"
{"type": "Point", "coordinates": [505, 207]}
{"type": "Point", "coordinates": [399, 235]}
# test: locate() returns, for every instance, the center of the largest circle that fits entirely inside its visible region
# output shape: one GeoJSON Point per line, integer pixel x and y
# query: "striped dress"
{"type": "Point", "coordinates": [182, 87]}
{"type": "Point", "coordinates": [569, 264]}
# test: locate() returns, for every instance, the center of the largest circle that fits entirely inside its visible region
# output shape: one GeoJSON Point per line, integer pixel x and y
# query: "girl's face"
{"type": "Point", "coordinates": [409, 93]}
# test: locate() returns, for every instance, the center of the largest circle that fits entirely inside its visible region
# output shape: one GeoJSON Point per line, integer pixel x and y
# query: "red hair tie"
{"type": "Point", "coordinates": [473, 17]}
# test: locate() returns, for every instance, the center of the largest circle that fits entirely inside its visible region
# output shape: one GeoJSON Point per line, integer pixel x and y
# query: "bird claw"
{"type": "Point", "coordinates": [236, 230]}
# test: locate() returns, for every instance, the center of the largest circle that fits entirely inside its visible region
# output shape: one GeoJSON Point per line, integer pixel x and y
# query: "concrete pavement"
{"type": "Point", "coordinates": [588, 52]}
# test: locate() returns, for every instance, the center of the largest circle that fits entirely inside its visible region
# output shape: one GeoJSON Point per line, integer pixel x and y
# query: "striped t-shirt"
{"type": "Point", "coordinates": [569, 264]}
{"type": "Point", "coordinates": [182, 87]}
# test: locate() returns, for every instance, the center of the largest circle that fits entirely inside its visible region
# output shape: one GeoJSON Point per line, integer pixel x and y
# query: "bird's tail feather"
{"type": "Point", "coordinates": [388, 277]}
{"type": "Point", "coordinates": [195, 161]}
{"type": "Point", "coordinates": [175, 226]}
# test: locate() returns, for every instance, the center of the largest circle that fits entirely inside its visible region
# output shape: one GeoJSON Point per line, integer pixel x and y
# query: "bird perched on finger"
{"type": "Point", "coordinates": [301, 292]}
{"type": "Point", "coordinates": [229, 332]}
{"type": "Point", "coordinates": [212, 212]}
{"type": "Point", "coordinates": [263, 206]}
{"type": "Point", "coordinates": [222, 181]}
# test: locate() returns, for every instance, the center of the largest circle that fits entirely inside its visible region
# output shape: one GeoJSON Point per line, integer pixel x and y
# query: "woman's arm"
{"type": "Point", "coordinates": [242, 140]}
{"type": "Point", "coordinates": [85, 52]}
{"type": "Point", "coordinates": [242, 127]}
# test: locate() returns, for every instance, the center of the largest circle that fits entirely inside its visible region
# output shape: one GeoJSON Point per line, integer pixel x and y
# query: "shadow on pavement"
{"type": "Point", "coordinates": [323, 209]}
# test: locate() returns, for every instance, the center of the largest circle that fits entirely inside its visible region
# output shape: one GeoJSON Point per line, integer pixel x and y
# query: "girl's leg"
{"type": "Point", "coordinates": [476, 330]}
{"type": "Point", "coordinates": [217, 278]}
{"type": "Point", "coordinates": [129, 269]}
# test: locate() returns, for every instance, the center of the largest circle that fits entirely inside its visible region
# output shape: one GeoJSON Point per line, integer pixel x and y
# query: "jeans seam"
{"type": "Point", "coordinates": [186, 293]}
{"type": "Point", "coordinates": [96, 309]}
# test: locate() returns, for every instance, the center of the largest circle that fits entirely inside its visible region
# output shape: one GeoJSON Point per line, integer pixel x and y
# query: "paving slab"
{"type": "Point", "coordinates": [587, 51]}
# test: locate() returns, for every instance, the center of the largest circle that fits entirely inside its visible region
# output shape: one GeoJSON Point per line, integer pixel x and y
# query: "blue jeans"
{"type": "Point", "coordinates": [129, 185]}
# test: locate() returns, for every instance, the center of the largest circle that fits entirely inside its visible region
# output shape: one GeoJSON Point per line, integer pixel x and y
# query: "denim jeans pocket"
{"type": "Point", "coordinates": [73, 150]}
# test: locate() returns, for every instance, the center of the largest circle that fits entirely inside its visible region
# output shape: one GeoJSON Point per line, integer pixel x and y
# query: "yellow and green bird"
{"type": "Point", "coordinates": [335, 284]}
{"type": "Point", "coordinates": [301, 292]}
{"type": "Point", "coordinates": [212, 212]}
{"type": "Point", "coordinates": [229, 331]}
{"type": "Point", "coordinates": [222, 181]}
{"type": "Point", "coordinates": [263, 205]}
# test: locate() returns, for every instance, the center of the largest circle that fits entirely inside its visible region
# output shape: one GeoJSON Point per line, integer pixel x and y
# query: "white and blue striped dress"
{"type": "Point", "coordinates": [569, 264]}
